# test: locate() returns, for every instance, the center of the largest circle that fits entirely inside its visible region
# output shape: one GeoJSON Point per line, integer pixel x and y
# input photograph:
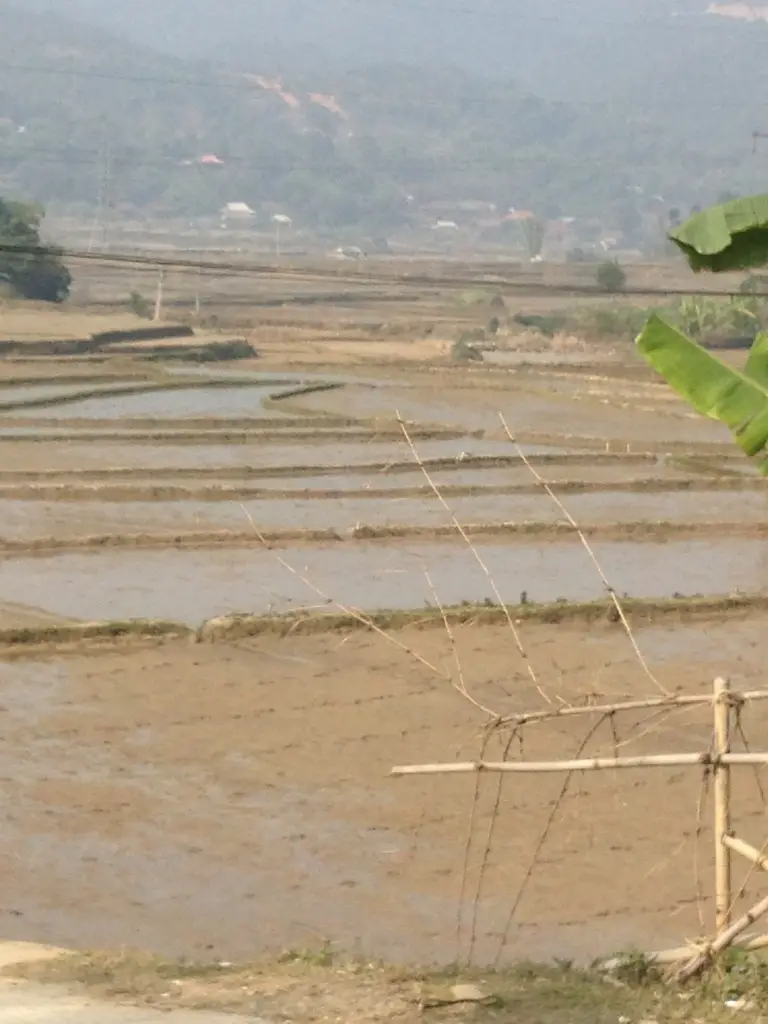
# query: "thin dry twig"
{"type": "Point", "coordinates": [476, 554]}
{"type": "Point", "coordinates": [487, 851]}
{"type": "Point", "coordinates": [354, 613]}
{"type": "Point", "coordinates": [588, 548]}
{"type": "Point", "coordinates": [650, 725]}
{"type": "Point", "coordinates": [753, 867]}
{"type": "Point", "coordinates": [738, 707]}
{"type": "Point", "coordinates": [468, 849]}
{"type": "Point", "coordinates": [460, 684]}
{"type": "Point", "coordinates": [543, 837]}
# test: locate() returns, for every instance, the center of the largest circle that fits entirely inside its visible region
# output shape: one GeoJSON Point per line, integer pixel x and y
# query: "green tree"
{"type": "Point", "coordinates": [611, 277]}
{"type": "Point", "coordinates": [33, 270]}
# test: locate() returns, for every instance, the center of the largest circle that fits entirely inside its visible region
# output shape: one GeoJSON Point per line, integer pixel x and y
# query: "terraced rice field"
{"type": "Point", "coordinates": [232, 795]}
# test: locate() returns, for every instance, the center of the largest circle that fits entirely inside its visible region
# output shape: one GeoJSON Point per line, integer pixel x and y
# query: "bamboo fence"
{"type": "Point", "coordinates": [688, 960]}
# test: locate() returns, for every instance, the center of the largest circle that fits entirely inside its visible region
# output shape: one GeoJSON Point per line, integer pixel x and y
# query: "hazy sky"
{"type": "Point", "coordinates": [640, 52]}
{"type": "Point", "coordinates": [481, 34]}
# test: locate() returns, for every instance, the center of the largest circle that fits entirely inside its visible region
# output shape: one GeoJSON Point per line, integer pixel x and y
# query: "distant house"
{"type": "Point", "coordinates": [516, 216]}
{"type": "Point", "coordinates": [745, 12]}
{"type": "Point", "coordinates": [237, 215]}
{"type": "Point", "coordinates": [348, 252]}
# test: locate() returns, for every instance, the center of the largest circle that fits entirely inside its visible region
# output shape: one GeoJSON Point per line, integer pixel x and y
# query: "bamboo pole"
{"type": "Point", "coordinates": [759, 859]}
{"type": "Point", "coordinates": [722, 803]}
{"type": "Point", "coordinates": [681, 701]}
{"type": "Point", "coordinates": [584, 765]}
{"type": "Point", "coordinates": [723, 940]}
{"type": "Point", "coordinates": [668, 957]}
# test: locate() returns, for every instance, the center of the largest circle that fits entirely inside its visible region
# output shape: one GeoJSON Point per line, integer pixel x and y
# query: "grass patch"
{"type": "Point", "coordinates": [232, 627]}
{"type": "Point", "coordinates": [315, 985]}
{"type": "Point", "coordinates": [138, 628]}
{"type": "Point", "coordinates": [644, 531]}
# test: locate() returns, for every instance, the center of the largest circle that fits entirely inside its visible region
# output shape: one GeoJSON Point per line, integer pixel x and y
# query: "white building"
{"type": "Point", "coordinates": [237, 214]}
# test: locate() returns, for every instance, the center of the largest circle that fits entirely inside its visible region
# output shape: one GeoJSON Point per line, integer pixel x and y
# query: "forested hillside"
{"type": "Point", "coordinates": [370, 146]}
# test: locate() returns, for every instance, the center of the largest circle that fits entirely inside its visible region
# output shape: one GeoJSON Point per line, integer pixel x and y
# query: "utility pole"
{"type": "Point", "coordinates": [103, 198]}
{"type": "Point", "coordinates": [159, 294]}
{"type": "Point", "coordinates": [198, 285]}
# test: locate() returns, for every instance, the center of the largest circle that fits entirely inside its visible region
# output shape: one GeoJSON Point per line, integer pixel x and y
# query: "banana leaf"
{"type": "Point", "coordinates": [731, 236]}
{"type": "Point", "coordinates": [757, 362]}
{"type": "Point", "coordinates": [737, 399]}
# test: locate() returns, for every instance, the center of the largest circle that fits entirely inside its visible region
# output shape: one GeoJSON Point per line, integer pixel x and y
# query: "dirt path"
{"type": "Point", "coordinates": [24, 1003]}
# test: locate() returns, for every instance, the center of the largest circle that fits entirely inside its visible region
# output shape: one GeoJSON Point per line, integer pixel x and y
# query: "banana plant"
{"type": "Point", "coordinates": [731, 236]}
{"type": "Point", "coordinates": [737, 398]}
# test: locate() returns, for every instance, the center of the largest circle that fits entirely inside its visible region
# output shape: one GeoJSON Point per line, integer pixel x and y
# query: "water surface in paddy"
{"type": "Point", "coordinates": [36, 519]}
{"type": "Point", "coordinates": [158, 403]}
{"type": "Point", "coordinates": [268, 453]}
{"type": "Point", "coordinates": [32, 392]}
{"type": "Point", "coordinates": [193, 585]}
{"type": "Point", "coordinates": [524, 410]}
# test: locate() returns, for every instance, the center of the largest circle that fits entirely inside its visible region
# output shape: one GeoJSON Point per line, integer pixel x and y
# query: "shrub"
{"type": "Point", "coordinates": [140, 306]}
{"type": "Point", "coordinates": [611, 277]}
{"type": "Point", "coordinates": [475, 335]}
{"type": "Point", "coordinates": [463, 352]}
{"type": "Point", "coordinates": [616, 320]}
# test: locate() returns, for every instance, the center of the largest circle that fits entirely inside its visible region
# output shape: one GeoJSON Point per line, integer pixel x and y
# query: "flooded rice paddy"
{"type": "Point", "coordinates": [190, 586]}
{"type": "Point", "coordinates": [276, 451]}
{"type": "Point", "coordinates": [223, 402]}
{"type": "Point", "coordinates": [32, 520]}
{"type": "Point", "coordinates": [340, 483]}
{"type": "Point", "coordinates": [522, 405]}
{"type": "Point", "coordinates": [139, 769]}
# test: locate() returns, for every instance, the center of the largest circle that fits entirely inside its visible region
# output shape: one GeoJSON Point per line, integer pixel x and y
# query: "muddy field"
{"type": "Point", "coordinates": [232, 796]}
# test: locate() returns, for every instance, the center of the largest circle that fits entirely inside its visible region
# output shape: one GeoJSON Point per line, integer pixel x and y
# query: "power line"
{"type": "Point", "coordinates": [396, 280]}
{"type": "Point", "coordinates": [543, 162]}
{"type": "Point", "coordinates": [82, 156]}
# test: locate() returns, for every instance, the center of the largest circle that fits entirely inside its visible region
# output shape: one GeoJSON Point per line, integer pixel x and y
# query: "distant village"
{"type": "Point", "coordinates": [462, 225]}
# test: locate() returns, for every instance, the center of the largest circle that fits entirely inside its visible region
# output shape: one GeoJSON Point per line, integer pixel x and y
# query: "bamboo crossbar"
{"type": "Point", "coordinates": [759, 859]}
{"type": "Point", "coordinates": [685, 700]}
{"type": "Point", "coordinates": [725, 703]}
{"type": "Point", "coordinates": [670, 957]}
{"type": "Point", "coordinates": [590, 764]}
{"type": "Point", "coordinates": [724, 939]}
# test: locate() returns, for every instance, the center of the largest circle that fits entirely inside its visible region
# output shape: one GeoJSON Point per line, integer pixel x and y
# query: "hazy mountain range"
{"type": "Point", "coordinates": [551, 46]}
{"type": "Point", "coordinates": [555, 105]}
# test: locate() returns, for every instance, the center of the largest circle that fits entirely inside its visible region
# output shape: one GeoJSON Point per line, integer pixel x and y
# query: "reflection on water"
{"type": "Point", "coordinates": [190, 586]}
{"type": "Point", "coordinates": [241, 401]}
{"type": "Point", "coordinates": [31, 519]}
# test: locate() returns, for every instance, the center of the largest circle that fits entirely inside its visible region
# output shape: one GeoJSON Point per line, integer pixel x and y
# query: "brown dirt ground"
{"type": "Point", "coordinates": [227, 800]}
{"type": "Point", "coordinates": [308, 987]}
{"type": "Point", "coordinates": [224, 801]}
